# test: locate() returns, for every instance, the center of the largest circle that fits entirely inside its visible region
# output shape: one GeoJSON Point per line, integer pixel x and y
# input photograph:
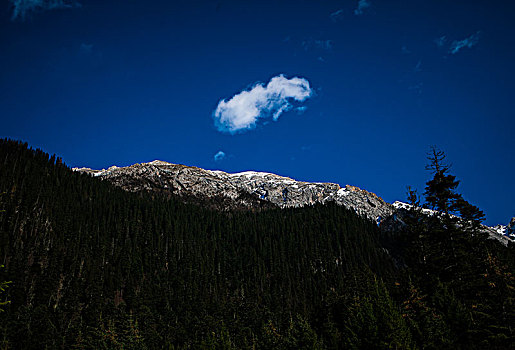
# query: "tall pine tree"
{"type": "Point", "coordinates": [441, 191]}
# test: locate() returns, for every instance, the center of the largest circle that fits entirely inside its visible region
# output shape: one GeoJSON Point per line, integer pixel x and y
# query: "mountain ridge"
{"type": "Point", "coordinates": [279, 190]}
{"type": "Point", "coordinates": [253, 189]}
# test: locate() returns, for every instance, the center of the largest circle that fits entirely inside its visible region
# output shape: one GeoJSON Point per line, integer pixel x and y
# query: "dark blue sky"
{"type": "Point", "coordinates": [119, 82]}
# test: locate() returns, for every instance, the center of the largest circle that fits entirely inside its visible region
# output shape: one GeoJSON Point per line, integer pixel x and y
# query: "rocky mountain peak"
{"type": "Point", "coordinates": [157, 162]}
{"type": "Point", "coordinates": [255, 186]}
{"type": "Point", "coordinates": [510, 229]}
{"type": "Point", "coordinates": [253, 189]}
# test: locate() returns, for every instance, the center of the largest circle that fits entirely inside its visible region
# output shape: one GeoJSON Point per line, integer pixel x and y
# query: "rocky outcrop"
{"type": "Point", "coordinates": [246, 189]}
{"type": "Point", "coordinates": [510, 229]}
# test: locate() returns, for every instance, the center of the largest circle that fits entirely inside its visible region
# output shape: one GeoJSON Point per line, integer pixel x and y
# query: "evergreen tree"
{"type": "Point", "coordinates": [472, 215]}
{"type": "Point", "coordinates": [441, 194]}
{"type": "Point", "coordinates": [3, 284]}
{"type": "Point", "coordinates": [440, 191]}
{"type": "Point", "coordinates": [3, 287]}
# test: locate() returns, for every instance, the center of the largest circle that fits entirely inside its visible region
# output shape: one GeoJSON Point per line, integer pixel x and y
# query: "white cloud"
{"type": "Point", "coordinates": [220, 155]}
{"type": "Point", "coordinates": [362, 5]}
{"type": "Point", "coordinates": [243, 110]}
{"type": "Point", "coordinates": [469, 42]}
{"type": "Point", "coordinates": [21, 8]}
{"type": "Point", "coordinates": [301, 109]}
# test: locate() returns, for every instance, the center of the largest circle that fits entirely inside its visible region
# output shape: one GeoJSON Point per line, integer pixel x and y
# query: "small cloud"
{"type": "Point", "coordinates": [440, 42]}
{"type": "Point", "coordinates": [220, 155]}
{"type": "Point", "coordinates": [243, 110]}
{"type": "Point", "coordinates": [320, 58]}
{"type": "Point", "coordinates": [301, 109]}
{"type": "Point", "coordinates": [22, 8]}
{"type": "Point", "coordinates": [305, 148]}
{"type": "Point", "coordinates": [362, 5]}
{"type": "Point", "coordinates": [469, 42]}
{"type": "Point", "coordinates": [336, 16]}
{"type": "Point", "coordinates": [405, 50]}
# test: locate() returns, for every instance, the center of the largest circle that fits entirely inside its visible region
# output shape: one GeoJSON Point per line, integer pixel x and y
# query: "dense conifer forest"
{"type": "Point", "coordinates": [89, 266]}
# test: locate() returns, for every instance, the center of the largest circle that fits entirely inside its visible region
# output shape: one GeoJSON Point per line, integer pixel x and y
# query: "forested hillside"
{"type": "Point", "coordinates": [94, 267]}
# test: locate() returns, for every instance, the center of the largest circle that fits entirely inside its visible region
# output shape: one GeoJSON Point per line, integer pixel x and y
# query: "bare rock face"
{"type": "Point", "coordinates": [510, 229]}
{"type": "Point", "coordinates": [244, 190]}
{"type": "Point", "coordinates": [506, 232]}
{"type": "Point", "coordinates": [256, 190]}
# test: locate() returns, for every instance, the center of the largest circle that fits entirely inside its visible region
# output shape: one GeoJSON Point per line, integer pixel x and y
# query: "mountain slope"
{"type": "Point", "coordinates": [280, 191]}
{"type": "Point", "coordinates": [251, 189]}
{"type": "Point", "coordinates": [96, 267]}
